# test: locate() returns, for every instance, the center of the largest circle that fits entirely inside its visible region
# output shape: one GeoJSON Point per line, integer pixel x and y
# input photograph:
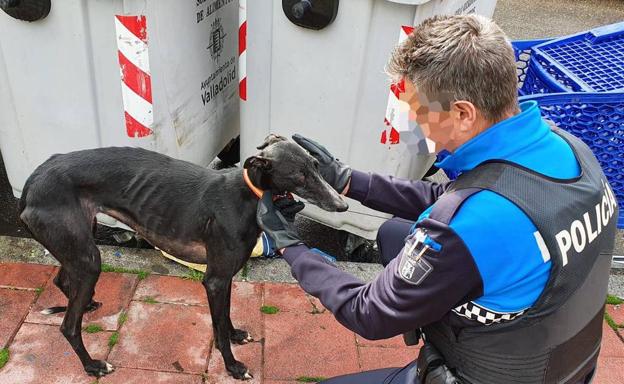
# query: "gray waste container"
{"type": "Point", "coordinates": [157, 74]}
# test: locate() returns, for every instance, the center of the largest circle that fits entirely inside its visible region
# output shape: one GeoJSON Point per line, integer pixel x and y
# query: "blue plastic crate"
{"type": "Point", "coordinates": [522, 50]}
{"type": "Point", "coordinates": [598, 120]}
{"type": "Point", "coordinates": [591, 61]}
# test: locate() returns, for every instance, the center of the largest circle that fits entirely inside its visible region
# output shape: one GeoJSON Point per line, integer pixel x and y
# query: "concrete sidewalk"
{"type": "Point", "coordinates": [156, 328]}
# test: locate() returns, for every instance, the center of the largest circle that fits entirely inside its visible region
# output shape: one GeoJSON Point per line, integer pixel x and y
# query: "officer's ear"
{"type": "Point", "coordinates": [465, 116]}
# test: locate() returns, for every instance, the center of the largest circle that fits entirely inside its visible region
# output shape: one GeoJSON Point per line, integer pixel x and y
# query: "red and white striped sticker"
{"type": "Point", "coordinates": [242, 49]}
{"type": "Point", "coordinates": [393, 120]}
{"type": "Point", "coordinates": [136, 84]}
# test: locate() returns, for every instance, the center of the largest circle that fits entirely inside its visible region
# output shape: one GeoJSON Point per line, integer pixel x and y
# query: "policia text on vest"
{"type": "Point", "coordinates": [585, 229]}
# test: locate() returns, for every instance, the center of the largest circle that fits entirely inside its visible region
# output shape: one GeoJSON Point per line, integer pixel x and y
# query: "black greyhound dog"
{"type": "Point", "coordinates": [196, 214]}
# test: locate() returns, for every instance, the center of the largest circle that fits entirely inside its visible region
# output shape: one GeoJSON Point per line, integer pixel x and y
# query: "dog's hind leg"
{"type": "Point", "coordinates": [65, 231]}
{"type": "Point", "coordinates": [61, 280]}
{"type": "Point", "coordinates": [82, 280]}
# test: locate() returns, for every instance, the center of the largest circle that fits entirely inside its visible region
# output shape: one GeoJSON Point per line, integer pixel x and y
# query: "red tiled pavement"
{"type": "Point", "coordinates": [378, 357]}
{"type": "Point", "coordinates": [248, 354]}
{"type": "Point", "coordinates": [245, 308]}
{"type": "Point", "coordinates": [281, 382]}
{"type": "Point", "coordinates": [14, 305]}
{"type": "Point", "coordinates": [301, 344]}
{"type": "Point", "coordinates": [113, 290]}
{"type": "Point", "coordinates": [610, 371]}
{"type": "Point", "coordinates": [612, 345]}
{"type": "Point", "coordinates": [24, 275]}
{"type": "Point", "coordinates": [290, 297]}
{"type": "Point", "coordinates": [164, 337]}
{"type": "Point", "coordinates": [617, 313]}
{"type": "Point", "coordinates": [169, 289]}
{"type": "Point", "coordinates": [138, 376]}
{"type": "Point", "coordinates": [40, 354]}
{"type": "Point", "coordinates": [160, 339]}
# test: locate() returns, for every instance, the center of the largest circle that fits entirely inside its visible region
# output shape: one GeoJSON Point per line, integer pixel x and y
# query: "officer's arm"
{"type": "Point", "coordinates": [400, 197]}
{"type": "Point", "coordinates": [396, 301]}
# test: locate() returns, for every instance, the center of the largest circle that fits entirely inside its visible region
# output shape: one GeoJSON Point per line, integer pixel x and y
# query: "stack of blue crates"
{"type": "Point", "coordinates": [578, 82]}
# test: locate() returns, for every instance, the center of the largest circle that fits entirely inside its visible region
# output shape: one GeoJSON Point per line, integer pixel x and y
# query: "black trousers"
{"type": "Point", "coordinates": [405, 375]}
{"type": "Point", "coordinates": [390, 240]}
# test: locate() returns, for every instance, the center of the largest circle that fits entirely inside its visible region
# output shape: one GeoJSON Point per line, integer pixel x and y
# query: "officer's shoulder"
{"type": "Point", "coordinates": [487, 210]}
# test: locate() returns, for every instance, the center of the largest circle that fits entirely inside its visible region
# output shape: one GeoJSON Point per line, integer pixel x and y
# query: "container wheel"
{"type": "Point", "coordinates": [27, 10]}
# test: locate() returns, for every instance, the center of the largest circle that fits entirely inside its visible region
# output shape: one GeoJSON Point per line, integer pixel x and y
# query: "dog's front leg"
{"type": "Point", "coordinates": [217, 289]}
{"type": "Point", "coordinates": [238, 336]}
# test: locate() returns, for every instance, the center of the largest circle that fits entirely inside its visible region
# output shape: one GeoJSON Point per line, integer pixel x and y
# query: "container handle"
{"type": "Point", "coordinates": [311, 14]}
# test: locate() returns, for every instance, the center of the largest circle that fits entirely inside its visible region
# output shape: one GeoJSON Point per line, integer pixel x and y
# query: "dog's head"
{"type": "Point", "coordinates": [283, 166]}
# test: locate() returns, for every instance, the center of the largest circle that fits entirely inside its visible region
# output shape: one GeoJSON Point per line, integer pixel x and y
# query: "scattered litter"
{"type": "Point", "coordinates": [265, 246]}
{"type": "Point", "coordinates": [178, 366]}
{"type": "Point", "coordinates": [123, 237]}
{"type": "Point", "coordinates": [198, 267]}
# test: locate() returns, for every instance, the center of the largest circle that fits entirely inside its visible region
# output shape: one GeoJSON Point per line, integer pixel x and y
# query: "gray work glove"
{"type": "Point", "coordinates": [276, 219]}
{"type": "Point", "coordinates": [333, 170]}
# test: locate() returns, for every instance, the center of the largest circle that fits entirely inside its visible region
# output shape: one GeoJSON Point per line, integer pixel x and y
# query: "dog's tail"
{"type": "Point", "coordinates": [21, 205]}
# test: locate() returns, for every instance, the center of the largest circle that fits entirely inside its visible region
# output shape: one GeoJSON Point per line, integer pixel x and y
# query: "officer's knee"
{"type": "Point", "coordinates": [391, 237]}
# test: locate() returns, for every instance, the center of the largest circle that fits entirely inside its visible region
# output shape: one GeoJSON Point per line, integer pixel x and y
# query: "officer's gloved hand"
{"type": "Point", "coordinates": [276, 219]}
{"type": "Point", "coordinates": [333, 170]}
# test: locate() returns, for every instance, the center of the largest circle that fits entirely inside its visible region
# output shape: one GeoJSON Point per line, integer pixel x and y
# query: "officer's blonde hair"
{"type": "Point", "coordinates": [465, 56]}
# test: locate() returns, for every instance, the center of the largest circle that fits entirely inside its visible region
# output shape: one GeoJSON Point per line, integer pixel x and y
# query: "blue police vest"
{"type": "Point", "coordinates": [557, 340]}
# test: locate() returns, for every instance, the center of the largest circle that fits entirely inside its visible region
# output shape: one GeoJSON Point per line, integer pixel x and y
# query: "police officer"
{"type": "Point", "coordinates": [505, 270]}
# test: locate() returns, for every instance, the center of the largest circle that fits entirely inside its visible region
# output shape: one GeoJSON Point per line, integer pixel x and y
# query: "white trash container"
{"type": "Point", "coordinates": [61, 89]}
{"type": "Point", "coordinates": [329, 84]}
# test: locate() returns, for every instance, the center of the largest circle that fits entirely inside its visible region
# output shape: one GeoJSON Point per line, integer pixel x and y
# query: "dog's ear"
{"type": "Point", "coordinates": [271, 139]}
{"type": "Point", "coordinates": [257, 162]}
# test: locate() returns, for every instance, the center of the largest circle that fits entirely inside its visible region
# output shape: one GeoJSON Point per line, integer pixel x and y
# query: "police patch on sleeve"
{"type": "Point", "coordinates": [413, 267]}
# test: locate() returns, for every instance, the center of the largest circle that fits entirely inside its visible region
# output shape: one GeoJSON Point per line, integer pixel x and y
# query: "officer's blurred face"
{"type": "Point", "coordinates": [445, 122]}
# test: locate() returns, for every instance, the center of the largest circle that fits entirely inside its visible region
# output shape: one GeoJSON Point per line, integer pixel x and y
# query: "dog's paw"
{"type": "Point", "coordinates": [239, 371]}
{"type": "Point", "coordinates": [93, 305]}
{"type": "Point", "coordinates": [53, 310]}
{"type": "Point", "coordinates": [239, 336]}
{"type": "Point", "coordinates": [99, 368]}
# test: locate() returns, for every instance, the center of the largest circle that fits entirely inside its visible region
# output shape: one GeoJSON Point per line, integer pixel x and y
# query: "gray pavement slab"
{"type": "Point", "coordinates": [533, 19]}
{"type": "Point", "coordinates": [616, 284]}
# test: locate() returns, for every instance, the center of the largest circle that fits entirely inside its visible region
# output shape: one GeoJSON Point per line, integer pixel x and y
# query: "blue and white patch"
{"type": "Point", "coordinates": [413, 268]}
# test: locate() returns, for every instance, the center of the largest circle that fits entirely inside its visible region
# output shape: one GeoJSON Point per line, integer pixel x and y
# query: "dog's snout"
{"type": "Point", "coordinates": [334, 204]}
{"type": "Point", "coordinates": [342, 207]}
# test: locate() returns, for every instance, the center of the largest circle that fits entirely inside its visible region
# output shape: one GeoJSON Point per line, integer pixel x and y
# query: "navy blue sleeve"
{"type": "Point", "coordinates": [399, 197]}
{"type": "Point", "coordinates": [390, 304]}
